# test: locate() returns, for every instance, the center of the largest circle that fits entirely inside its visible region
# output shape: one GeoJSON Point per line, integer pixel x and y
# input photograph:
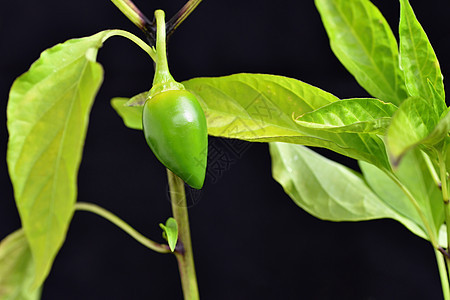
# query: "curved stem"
{"type": "Point", "coordinates": [183, 252]}
{"type": "Point", "coordinates": [144, 46]}
{"type": "Point", "coordinates": [93, 208]}
{"type": "Point", "coordinates": [443, 274]}
{"type": "Point", "coordinates": [163, 80]}
{"type": "Point", "coordinates": [430, 231]}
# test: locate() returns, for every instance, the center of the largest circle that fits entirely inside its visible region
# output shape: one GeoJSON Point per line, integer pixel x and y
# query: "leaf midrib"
{"type": "Point", "coordinates": [59, 153]}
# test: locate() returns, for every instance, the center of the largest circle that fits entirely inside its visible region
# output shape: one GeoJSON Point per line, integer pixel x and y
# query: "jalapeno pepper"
{"type": "Point", "coordinates": [175, 129]}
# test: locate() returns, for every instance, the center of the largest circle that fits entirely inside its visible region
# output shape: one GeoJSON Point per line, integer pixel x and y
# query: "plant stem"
{"type": "Point", "coordinates": [444, 185]}
{"type": "Point", "coordinates": [183, 251]}
{"type": "Point", "coordinates": [181, 15]}
{"type": "Point", "coordinates": [443, 274]}
{"type": "Point", "coordinates": [150, 51]}
{"type": "Point", "coordinates": [137, 17]}
{"type": "Point", "coordinates": [445, 197]}
{"type": "Point", "coordinates": [83, 206]}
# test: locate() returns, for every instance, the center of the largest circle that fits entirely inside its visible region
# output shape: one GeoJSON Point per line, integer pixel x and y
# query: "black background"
{"type": "Point", "coordinates": [250, 240]}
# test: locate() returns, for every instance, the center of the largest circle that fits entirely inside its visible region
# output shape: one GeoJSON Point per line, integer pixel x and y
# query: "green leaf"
{"type": "Point", "coordinates": [410, 126]}
{"type": "Point", "coordinates": [362, 40]}
{"type": "Point", "coordinates": [17, 269]}
{"type": "Point", "coordinates": [131, 115]}
{"type": "Point", "coordinates": [413, 172]}
{"type": "Point", "coordinates": [388, 191]}
{"type": "Point", "coordinates": [259, 108]}
{"type": "Point", "coordinates": [415, 176]}
{"type": "Point", "coordinates": [440, 130]}
{"type": "Point", "coordinates": [170, 232]}
{"type": "Point", "coordinates": [328, 190]}
{"type": "Point", "coordinates": [48, 113]}
{"type": "Point", "coordinates": [418, 60]}
{"type": "Point", "coordinates": [351, 115]}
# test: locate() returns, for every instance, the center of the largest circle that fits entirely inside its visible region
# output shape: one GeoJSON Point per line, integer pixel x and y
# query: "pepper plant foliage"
{"type": "Point", "coordinates": [399, 137]}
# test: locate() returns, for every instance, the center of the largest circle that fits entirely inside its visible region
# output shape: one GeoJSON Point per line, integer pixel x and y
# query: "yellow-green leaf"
{"type": "Point", "coordinates": [131, 115]}
{"type": "Point", "coordinates": [170, 232]}
{"type": "Point", "coordinates": [17, 269]}
{"type": "Point", "coordinates": [328, 190]}
{"type": "Point", "coordinates": [48, 112]}
{"type": "Point", "coordinates": [364, 43]}
{"type": "Point", "coordinates": [418, 60]}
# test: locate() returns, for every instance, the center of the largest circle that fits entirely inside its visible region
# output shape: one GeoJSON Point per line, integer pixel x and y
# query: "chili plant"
{"type": "Point", "coordinates": [399, 137]}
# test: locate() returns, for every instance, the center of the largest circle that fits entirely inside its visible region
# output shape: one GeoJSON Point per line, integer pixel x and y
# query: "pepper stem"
{"type": "Point", "coordinates": [163, 80]}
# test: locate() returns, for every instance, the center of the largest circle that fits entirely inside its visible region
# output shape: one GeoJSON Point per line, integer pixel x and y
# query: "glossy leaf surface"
{"type": "Point", "coordinates": [257, 107]}
{"type": "Point", "coordinates": [362, 40]}
{"type": "Point", "coordinates": [411, 125]}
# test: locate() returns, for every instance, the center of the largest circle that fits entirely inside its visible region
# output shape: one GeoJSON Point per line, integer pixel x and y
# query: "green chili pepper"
{"type": "Point", "coordinates": [175, 129]}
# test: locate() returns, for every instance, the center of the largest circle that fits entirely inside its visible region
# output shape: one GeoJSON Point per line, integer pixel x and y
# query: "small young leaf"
{"type": "Point", "coordinates": [362, 40]}
{"type": "Point", "coordinates": [17, 269]}
{"type": "Point", "coordinates": [131, 115]}
{"type": "Point", "coordinates": [417, 58]}
{"type": "Point", "coordinates": [410, 126]}
{"type": "Point", "coordinates": [48, 112]}
{"type": "Point", "coordinates": [170, 232]}
{"type": "Point", "coordinates": [329, 190]}
{"type": "Point", "coordinates": [351, 115]}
